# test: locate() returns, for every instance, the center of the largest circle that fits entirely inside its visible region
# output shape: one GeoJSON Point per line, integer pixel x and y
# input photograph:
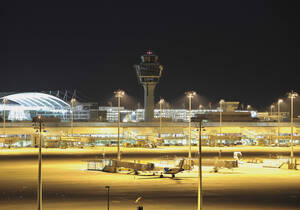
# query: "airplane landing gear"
{"type": "Point", "coordinates": [173, 176]}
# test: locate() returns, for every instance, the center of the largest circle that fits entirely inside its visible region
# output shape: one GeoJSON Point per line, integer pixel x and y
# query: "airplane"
{"type": "Point", "coordinates": [113, 166]}
{"type": "Point", "coordinates": [173, 171]}
{"type": "Point", "coordinates": [161, 170]}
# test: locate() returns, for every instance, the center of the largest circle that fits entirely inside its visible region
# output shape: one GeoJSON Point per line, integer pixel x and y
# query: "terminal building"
{"type": "Point", "coordinates": [95, 125]}
{"type": "Point", "coordinates": [26, 106]}
{"type": "Point", "coordinates": [177, 115]}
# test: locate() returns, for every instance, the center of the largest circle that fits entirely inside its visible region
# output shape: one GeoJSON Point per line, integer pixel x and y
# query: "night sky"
{"type": "Point", "coordinates": [235, 50]}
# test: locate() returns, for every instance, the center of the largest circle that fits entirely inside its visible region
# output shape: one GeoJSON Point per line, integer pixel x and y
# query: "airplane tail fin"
{"type": "Point", "coordinates": [181, 163]}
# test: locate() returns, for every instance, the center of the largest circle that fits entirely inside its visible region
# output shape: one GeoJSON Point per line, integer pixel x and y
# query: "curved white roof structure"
{"type": "Point", "coordinates": [37, 100]}
{"type": "Point", "coordinates": [21, 105]}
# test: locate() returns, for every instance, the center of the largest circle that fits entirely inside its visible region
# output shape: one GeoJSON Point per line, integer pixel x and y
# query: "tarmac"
{"type": "Point", "coordinates": [68, 185]}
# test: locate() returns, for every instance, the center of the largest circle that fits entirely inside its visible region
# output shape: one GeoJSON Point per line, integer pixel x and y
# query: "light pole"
{"type": "Point", "coordinates": [278, 120]}
{"type": "Point", "coordinates": [190, 95]}
{"type": "Point", "coordinates": [38, 124]}
{"type": "Point", "coordinates": [221, 110]}
{"type": "Point", "coordinates": [292, 95]}
{"type": "Point", "coordinates": [200, 200]}
{"type": "Point", "coordinates": [200, 194]}
{"type": "Point", "coordinates": [161, 101]}
{"type": "Point", "coordinates": [119, 94]}
{"type": "Point", "coordinates": [272, 107]}
{"type": "Point", "coordinates": [4, 100]}
{"type": "Point", "coordinates": [107, 188]}
{"type": "Point", "coordinates": [73, 101]}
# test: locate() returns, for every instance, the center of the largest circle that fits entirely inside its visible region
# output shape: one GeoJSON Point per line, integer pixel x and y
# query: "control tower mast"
{"type": "Point", "coordinates": [148, 73]}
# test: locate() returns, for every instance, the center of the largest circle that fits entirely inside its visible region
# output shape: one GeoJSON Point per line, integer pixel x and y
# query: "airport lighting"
{"type": "Point", "coordinates": [38, 125]}
{"type": "Point", "coordinates": [190, 95]}
{"type": "Point", "coordinates": [249, 107]}
{"type": "Point", "coordinates": [292, 95]}
{"type": "Point", "coordinates": [278, 120]}
{"type": "Point", "coordinates": [73, 101]}
{"type": "Point", "coordinates": [200, 193]}
{"type": "Point", "coordinates": [200, 106]}
{"type": "Point", "coordinates": [4, 100]}
{"type": "Point", "coordinates": [119, 94]}
{"type": "Point", "coordinates": [272, 107]}
{"type": "Point", "coordinates": [221, 110]}
{"type": "Point", "coordinates": [161, 102]}
{"type": "Point", "coordinates": [200, 197]}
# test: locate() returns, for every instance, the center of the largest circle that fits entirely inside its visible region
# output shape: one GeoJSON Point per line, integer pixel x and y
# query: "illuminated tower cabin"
{"type": "Point", "coordinates": [148, 73]}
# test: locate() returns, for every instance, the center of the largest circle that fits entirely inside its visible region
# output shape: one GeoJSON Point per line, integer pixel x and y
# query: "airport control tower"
{"type": "Point", "coordinates": [148, 73]}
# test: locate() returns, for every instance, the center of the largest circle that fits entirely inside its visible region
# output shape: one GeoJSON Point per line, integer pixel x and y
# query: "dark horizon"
{"type": "Point", "coordinates": [237, 51]}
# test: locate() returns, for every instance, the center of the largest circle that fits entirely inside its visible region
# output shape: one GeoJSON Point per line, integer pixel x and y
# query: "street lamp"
{"type": "Point", "coordinates": [161, 101]}
{"type": "Point", "coordinates": [292, 95]}
{"type": "Point", "coordinates": [119, 94]}
{"type": "Point", "coordinates": [221, 110]}
{"type": "Point", "coordinates": [4, 100]}
{"type": "Point", "coordinates": [73, 101]}
{"type": "Point", "coordinates": [38, 124]}
{"type": "Point", "coordinates": [190, 95]}
{"type": "Point", "coordinates": [278, 119]}
{"type": "Point", "coordinates": [107, 188]}
{"type": "Point", "coordinates": [200, 194]}
{"type": "Point", "coordinates": [272, 107]}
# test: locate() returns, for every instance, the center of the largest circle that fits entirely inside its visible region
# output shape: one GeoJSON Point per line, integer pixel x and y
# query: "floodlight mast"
{"type": "Point", "coordinates": [161, 101]}
{"type": "Point", "coordinates": [38, 123]}
{"type": "Point", "coordinates": [190, 95]}
{"type": "Point", "coordinates": [292, 95]}
{"type": "Point", "coordinates": [149, 72]}
{"type": "Point", "coordinates": [200, 196]}
{"type": "Point", "coordinates": [222, 101]}
{"type": "Point", "coordinates": [4, 100]}
{"type": "Point", "coordinates": [119, 94]}
{"type": "Point", "coordinates": [278, 120]}
{"type": "Point", "coordinates": [73, 101]}
{"type": "Point", "coordinates": [200, 193]}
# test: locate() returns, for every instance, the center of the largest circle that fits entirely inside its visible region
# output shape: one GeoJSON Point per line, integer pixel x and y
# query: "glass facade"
{"type": "Point", "coordinates": [25, 106]}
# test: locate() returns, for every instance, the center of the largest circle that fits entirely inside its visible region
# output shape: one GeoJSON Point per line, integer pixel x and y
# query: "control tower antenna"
{"type": "Point", "coordinates": [148, 72]}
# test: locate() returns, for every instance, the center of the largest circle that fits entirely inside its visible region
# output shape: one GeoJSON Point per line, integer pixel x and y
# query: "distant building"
{"type": "Point", "coordinates": [112, 113]}
{"type": "Point", "coordinates": [26, 106]}
{"type": "Point", "coordinates": [273, 116]}
{"type": "Point", "coordinates": [175, 115]}
{"type": "Point", "coordinates": [230, 106]}
{"type": "Point", "coordinates": [87, 111]}
{"type": "Point", "coordinates": [237, 116]}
